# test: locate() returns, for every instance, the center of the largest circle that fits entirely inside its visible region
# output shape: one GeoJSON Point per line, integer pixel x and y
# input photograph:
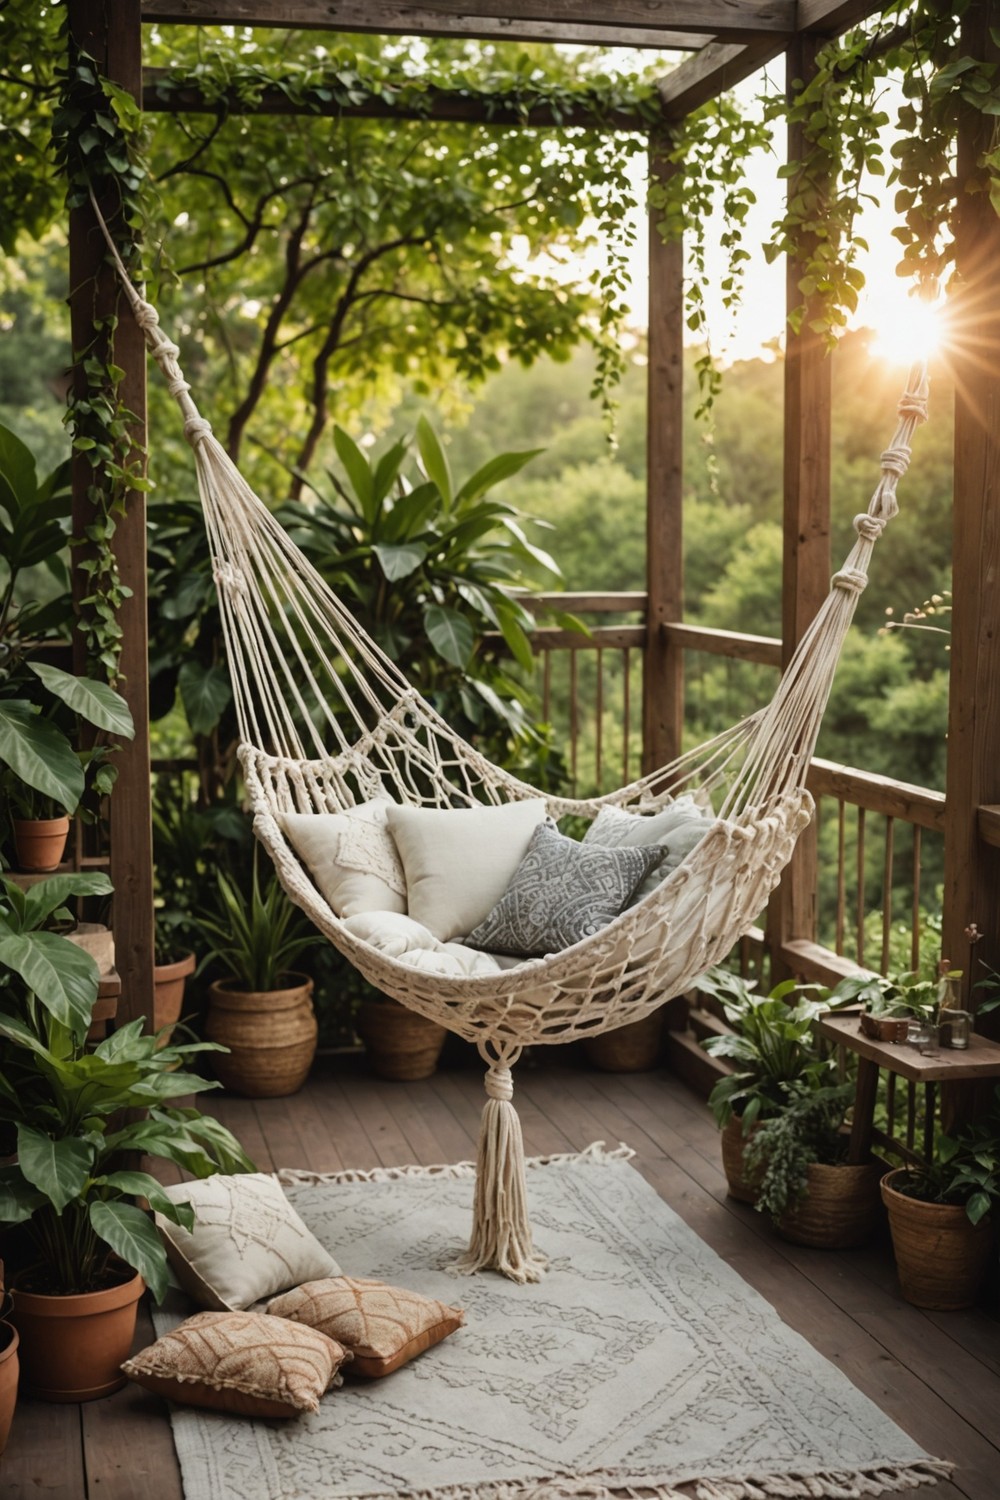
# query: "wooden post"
{"type": "Point", "coordinates": [663, 670]}
{"type": "Point", "coordinates": [972, 868]}
{"type": "Point", "coordinates": [111, 32]}
{"type": "Point", "coordinates": [806, 551]}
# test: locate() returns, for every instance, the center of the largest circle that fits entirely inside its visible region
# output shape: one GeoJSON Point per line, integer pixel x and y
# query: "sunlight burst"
{"type": "Point", "coordinates": [906, 329]}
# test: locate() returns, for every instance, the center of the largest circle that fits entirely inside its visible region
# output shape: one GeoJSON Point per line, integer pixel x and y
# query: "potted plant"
{"type": "Point", "coordinates": [86, 1247]}
{"type": "Point", "coordinates": [778, 1059]}
{"type": "Point", "coordinates": [43, 771]}
{"type": "Point", "coordinates": [891, 1002]}
{"type": "Point", "coordinates": [262, 1013]}
{"type": "Point", "coordinates": [941, 1216]}
{"type": "Point", "coordinates": [9, 1367]}
{"type": "Point", "coordinates": [402, 1046]}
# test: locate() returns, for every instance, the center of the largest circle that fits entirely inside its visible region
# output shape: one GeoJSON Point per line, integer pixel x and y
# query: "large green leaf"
{"type": "Point", "coordinates": [503, 466]}
{"type": "Point", "coordinates": [62, 975]}
{"type": "Point", "coordinates": [142, 1185]}
{"type": "Point", "coordinates": [18, 482]}
{"type": "Point", "coordinates": [59, 1169]}
{"type": "Point", "coordinates": [205, 693]}
{"type": "Point", "coordinates": [18, 1199]}
{"type": "Point", "coordinates": [450, 634]}
{"type": "Point", "coordinates": [39, 754]}
{"type": "Point", "coordinates": [94, 701]}
{"type": "Point", "coordinates": [22, 1036]}
{"type": "Point", "coordinates": [401, 560]}
{"type": "Point", "coordinates": [132, 1236]}
{"type": "Point", "coordinates": [358, 472]}
{"type": "Point", "coordinates": [46, 897]}
{"type": "Point", "coordinates": [432, 456]}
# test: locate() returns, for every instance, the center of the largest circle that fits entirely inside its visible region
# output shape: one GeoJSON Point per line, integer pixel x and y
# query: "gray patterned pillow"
{"type": "Point", "coordinates": [561, 892]}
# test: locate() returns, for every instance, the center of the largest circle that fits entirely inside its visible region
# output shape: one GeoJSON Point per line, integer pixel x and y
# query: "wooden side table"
{"type": "Point", "coordinates": [951, 1065]}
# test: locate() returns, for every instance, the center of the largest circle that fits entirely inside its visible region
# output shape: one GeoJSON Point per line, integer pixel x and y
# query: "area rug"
{"type": "Point", "coordinates": [641, 1363]}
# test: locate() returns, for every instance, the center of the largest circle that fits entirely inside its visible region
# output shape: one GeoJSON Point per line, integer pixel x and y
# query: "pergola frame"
{"type": "Point", "coordinates": [728, 39]}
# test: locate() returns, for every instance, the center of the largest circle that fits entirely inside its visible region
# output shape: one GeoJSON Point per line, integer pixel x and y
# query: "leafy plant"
{"type": "Point", "coordinates": [965, 1168]}
{"type": "Point", "coordinates": [783, 1147]}
{"type": "Point", "coordinates": [256, 937]}
{"type": "Point", "coordinates": [894, 995]}
{"type": "Point", "coordinates": [774, 1045]}
{"type": "Point", "coordinates": [69, 1107]}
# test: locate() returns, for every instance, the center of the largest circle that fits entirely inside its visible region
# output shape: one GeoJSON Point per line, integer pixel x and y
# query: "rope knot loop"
{"type": "Point", "coordinates": [869, 527]}
{"type": "Point", "coordinates": [229, 579]}
{"type": "Point", "coordinates": [851, 580]}
{"type": "Point", "coordinates": [913, 404]}
{"type": "Point", "coordinates": [146, 316]}
{"type": "Point", "coordinates": [197, 428]}
{"type": "Point", "coordinates": [499, 1084]}
{"type": "Point", "coordinates": [178, 387]}
{"type": "Point", "coordinates": [896, 460]}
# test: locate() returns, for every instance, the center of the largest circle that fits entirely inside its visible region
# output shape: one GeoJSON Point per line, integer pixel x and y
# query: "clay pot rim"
{"type": "Point", "coordinates": [177, 968]}
{"type": "Point", "coordinates": [70, 1304]}
{"type": "Point", "coordinates": [890, 1194]}
{"type": "Point", "coordinates": [51, 824]}
{"type": "Point", "coordinates": [231, 987]}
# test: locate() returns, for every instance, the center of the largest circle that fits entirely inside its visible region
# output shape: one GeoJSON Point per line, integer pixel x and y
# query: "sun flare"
{"type": "Point", "coordinates": [906, 329]}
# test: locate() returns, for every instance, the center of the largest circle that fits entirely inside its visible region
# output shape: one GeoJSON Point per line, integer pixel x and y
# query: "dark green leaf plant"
{"type": "Point", "coordinates": [965, 1168]}
{"type": "Point", "coordinates": [77, 1113]}
{"type": "Point", "coordinates": [782, 1148]}
{"type": "Point", "coordinates": [255, 936]}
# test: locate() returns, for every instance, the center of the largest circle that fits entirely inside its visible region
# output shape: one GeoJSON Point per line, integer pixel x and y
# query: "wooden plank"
{"type": "Point", "coordinates": [563, 17]}
{"type": "Point", "coordinates": [714, 70]}
{"type": "Point", "coordinates": [879, 794]}
{"type": "Point", "coordinates": [814, 963]}
{"type": "Point", "coordinates": [111, 32]}
{"type": "Point", "coordinates": [663, 664]}
{"type": "Point", "coordinates": [989, 825]}
{"type": "Point", "coordinates": [397, 17]}
{"type": "Point", "coordinates": [161, 96]}
{"type": "Point", "coordinates": [734, 644]}
{"type": "Point", "coordinates": [628, 602]}
{"type": "Point", "coordinates": [805, 577]}
{"type": "Point", "coordinates": [972, 868]}
{"type": "Point", "coordinates": [981, 1059]}
{"type": "Point", "coordinates": [128, 1446]}
{"type": "Point", "coordinates": [44, 1454]}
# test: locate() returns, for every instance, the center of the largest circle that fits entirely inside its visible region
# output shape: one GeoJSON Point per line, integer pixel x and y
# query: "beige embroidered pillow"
{"type": "Point", "coordinates": [241, 1362]}
{"type": "Point", "coordinates": [247, 1243]}
{"type": "Point", "coordinates": [383, 1326]}
{"type": "Point", "coordinates": [459, 862]}
{"type": "Point", "coordinates": [352, 857]}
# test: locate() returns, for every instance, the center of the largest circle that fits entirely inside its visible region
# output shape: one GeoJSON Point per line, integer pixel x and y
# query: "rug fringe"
{"type": "Point", "coordinates": [597, 1152]}
{"type": "Point", "coordinates": [841, 1484]}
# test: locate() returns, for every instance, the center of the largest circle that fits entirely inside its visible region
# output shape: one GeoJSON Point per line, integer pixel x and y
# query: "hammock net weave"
{"type": "Point", "coordinates": [327, 721]}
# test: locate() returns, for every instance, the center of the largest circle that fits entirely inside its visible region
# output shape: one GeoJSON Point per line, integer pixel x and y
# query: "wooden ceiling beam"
{"type": "Point", "coordinates": [158, 97]}
{"type": "Point", "coordinates": [636, 23]}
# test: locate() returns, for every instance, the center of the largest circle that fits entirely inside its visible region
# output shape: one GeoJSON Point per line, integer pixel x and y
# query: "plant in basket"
{"type": "Point", "coordinates": [85, 1246]}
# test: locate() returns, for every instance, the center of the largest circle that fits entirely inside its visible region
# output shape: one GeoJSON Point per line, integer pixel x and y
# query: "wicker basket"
{"type": "Point", "coordinates": [942, 1258]}
{"type": "Point", "coordinates": [741, 1186]}
{"type": "Point", "coordinates": [842, 1206]}
{"type": "Point", "coordinates": [271, 1038]}
{"type": "Point", "coordinates": [632, 1048]}
{"type": "Point", "coordinates": [401, 1044]}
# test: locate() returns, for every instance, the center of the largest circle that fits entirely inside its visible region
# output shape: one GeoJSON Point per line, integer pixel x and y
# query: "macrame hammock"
{"type": "Point", "coordinates": [326, 720]}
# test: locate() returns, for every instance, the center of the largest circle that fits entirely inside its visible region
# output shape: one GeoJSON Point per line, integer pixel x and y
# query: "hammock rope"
{"type": "Point", "coordinates": [326, 720]}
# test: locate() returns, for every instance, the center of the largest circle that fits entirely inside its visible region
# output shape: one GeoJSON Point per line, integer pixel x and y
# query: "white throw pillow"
{"type": "Point", "coordinates": [459, 862]}
{"type": "Point", "coordinates": [401, 938]}
{"type": "Point", "coordinates": [680, 826]}
{"type": "Point", "coordinates": [352, 857]}
{"type": "Point", "coordinates": [247, 1243]}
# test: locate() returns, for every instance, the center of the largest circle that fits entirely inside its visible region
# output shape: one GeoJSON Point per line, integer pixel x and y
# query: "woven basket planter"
{"type": "Point", "coordinates": [401, 1044]}
{"type": "Point", "coordinates": [271, 1037]}
{"type": "Point", "coordinates": [741, 1185]}
{"type": "Point", "coordinates": [842, 1207]}
{"type": "Point", "coordinates": [941, 1257]}
{"type": "Point", "coordinates": [632, 1048]}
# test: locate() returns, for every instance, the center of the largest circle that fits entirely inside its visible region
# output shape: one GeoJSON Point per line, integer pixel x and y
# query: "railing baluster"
{"type": "Point", "coordinates": [627, 710]}
{"type": "Point", "coordinates": [574, 718]}
{"type": "Point", "coordinates": [598, 777]}
{"type": "Point", "coordinates": [915, 916]}
{"type": "Point", "coordinates": [887, 892]}
{"type": "Point", "coordinates": [841, 873]}
{"type": "Point", "coordinates": [860, 904]}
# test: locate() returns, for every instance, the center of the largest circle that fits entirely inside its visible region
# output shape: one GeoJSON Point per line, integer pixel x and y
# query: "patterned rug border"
{"type": "Point", "coordinates": [596, 1153]}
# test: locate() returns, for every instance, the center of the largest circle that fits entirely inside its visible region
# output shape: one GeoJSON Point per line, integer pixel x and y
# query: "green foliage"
{"type": "Point", "coordinates": [965, 1168]}
{"type": "Point", "coordinates": [774, 1046]}
{"type": "Point", "coordinates": [66, 1104]}
{"type": "Point", "coordinates": [783, 1148]}
{"type": "Point", "coordinates": [255, 937]}
{"type": "Point", "coordinates": [898, 995]}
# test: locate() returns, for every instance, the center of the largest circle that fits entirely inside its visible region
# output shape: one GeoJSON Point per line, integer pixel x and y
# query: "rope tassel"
{"type": "Point", "coordinates": [501, 1230]}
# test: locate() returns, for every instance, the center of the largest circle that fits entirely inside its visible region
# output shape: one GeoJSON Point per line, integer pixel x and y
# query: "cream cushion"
{"type": "Point", "coordinates": [679, 826]}
{"type": "Point", "coordinates": [459, 862]}
{"type": "Point", "coordinates": [351, 856]}
{"type": "Point", "coordinates": [398, 936]}
{"type": "Point", "coordinates": [241, 1362]}
{"type": "Point", "coordinates": [247, 1242]}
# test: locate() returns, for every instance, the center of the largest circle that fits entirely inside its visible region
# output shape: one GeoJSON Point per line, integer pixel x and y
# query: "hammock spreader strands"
{"type": "Point", "coordinates": [326, 720]}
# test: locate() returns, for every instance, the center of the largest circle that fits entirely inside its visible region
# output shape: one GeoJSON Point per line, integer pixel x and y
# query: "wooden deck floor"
{"type": "Point", "coordinates": [937, 1375]}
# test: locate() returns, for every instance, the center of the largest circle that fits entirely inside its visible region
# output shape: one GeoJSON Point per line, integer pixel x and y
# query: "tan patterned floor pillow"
{"type": "Point", "coordinates": [241, 1362]}
{"type": "Point", "coordinates": [383, 1326]}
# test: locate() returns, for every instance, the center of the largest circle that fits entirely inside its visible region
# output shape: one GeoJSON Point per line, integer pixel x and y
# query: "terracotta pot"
{"type": "Point", "coordinates": [401, 1044]}
{"type": "Point", "coordinates": [168, 993]}
{"type": "Point", "coordinates": [941, 1257]}
{"type": "Point", "coordinates": [740, 1185]}
{"type": "Point", "coordinates": [842, 1206]}
{"type": "Point", "coordinates": [632, 1048]}
{"type": "Point", "coordinates": [71, 1347]}
{"type": "Point", "coordinates": [40, 843]}
{"type": "Point", "coordinates": [271, 1037]}
{"type": "Point", "coordinates": [8, 1379]}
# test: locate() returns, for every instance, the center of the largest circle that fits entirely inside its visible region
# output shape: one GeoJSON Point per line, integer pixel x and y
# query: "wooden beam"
{"type": "Point", "coordinates": [396, 17]}
{"type": "Point", "coordinates": [562, 18]}
{"type": "Point", "coordinates": [765, 650]}
{"type": "Point", "coordinates": [878, 794]}
{"type": "Point", "coordinates": [160, 96]}
{"type": "Point", "coordinates": [110, 30]}
{"type": "Point", "coordinates": [972, 867]}
{"type": "Point", "coordinates": [805, 578]}
{"type": "Point", "coordinates": [663, 665]}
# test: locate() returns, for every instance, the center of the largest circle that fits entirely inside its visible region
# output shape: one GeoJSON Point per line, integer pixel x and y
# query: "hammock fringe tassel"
{"type": "Point", "coordinates": [501, 1229]}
